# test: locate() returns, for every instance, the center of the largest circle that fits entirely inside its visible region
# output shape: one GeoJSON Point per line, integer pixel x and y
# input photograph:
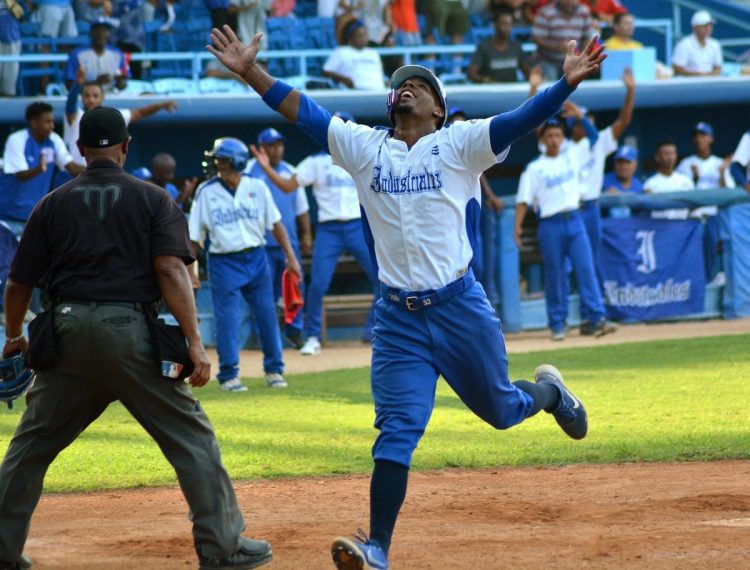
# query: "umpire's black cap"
{"type": "Point", "coordinates": [102, 127]}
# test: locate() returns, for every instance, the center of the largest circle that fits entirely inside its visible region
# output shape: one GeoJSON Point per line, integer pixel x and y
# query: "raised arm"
{"type": "Point", "coordinates": [508, 127]}
{"type": "Point", "coordinates": [626, 112]}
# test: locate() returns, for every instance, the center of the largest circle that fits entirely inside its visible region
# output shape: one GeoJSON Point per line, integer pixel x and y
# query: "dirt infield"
{"type": "Point", "coordinates": [692, 515]}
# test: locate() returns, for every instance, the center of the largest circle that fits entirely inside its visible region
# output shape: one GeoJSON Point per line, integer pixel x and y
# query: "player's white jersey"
{"type": "Point", "coordinates": [551, 185]}
{"type": "Point", "coordinates": [675, 182]}
{"type": "Point", "coordinates": [232, 220]}
{"type": "Point", "coordinates": [70, 133]}
{"type": "Point", "coordinates": [413, 198]}
{"type": "Point", "coordinates": [742, 153]}
{"type": "Point", "coordinates": [709, 177]}
{"type": "Point", "coordinates": [592, 170]}
{"type": "Point", "coordinates": [333, 188]}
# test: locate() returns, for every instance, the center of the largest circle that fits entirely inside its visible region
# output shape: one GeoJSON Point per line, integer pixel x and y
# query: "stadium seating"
{"type": "Point", "coordinates": [174, 86]}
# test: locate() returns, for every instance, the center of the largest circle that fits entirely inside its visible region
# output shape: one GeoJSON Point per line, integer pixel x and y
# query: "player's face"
{"type": "Point", "coordinates": [223, 167]}
{"type": "Point", "coordinates": [702, 142]}
{"type": "Point", "coordinates": [666, 157]}
{"type": "Point", "coordinates": [43, 125]}
{"type": "Point", "coordinates": [503, 26]}
{"type": "Point", "coordinates": [625, 27]}
{"type": "Point", "coordinates": [553, 138]}
{"type": "Point", "coordinates": [275, 152]}
{"type": "Point", "coordinates": [415, 96]}
{"type": "Point", "coordinates": [93, 97]}
{"type": "Point", "coordinates": [703, 32]}
{"type": "Point", "coordinates": [625, 169]}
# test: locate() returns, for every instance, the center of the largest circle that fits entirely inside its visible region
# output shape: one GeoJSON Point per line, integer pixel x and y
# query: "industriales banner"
{"type": "Point", "coordinates": [652, 269]}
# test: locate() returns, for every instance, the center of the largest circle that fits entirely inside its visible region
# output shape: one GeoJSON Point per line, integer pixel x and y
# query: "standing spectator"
{"type": "Point", "coordinates": [251, 19]}
{"type": "Point", "coordinates": [740, 167]}
{"type": "Point", "coordinates": [92, 96]}
{"type": "Point", "coordinates": [294, 210]}
{"type": "Point", "coordinates": [550, 183]}
{"type": "Point", "coordinates": [163, 167]}
{"type": "Point", "coordinates": [516, 7]}
{"type": "Point", "coordinates": [220, 16]}
{"type": "Point", "coordinates": [90, 10]}
{"type": "Point", "coordinates": [499, 59]}
{"type": "Point", "coordinates": [698, 54]}
{"type": "Point", "coordinates": [101, 62]}
{"type": "Point", "coordinates": [449, 18]}
{"type": "Point", "coordinates": [554, 26]}
{"type": "Point", "coordinates": [10, 44]}
{"type": "Point", "coordinates": [29, 162]}
{"type": "Point", "coordinates": [404, 19]}
{"type": "Point", "coordinates": [708, 172]}
{"type": "Point", "coordinates": [378, 20]}
{"type": "Point", "coordinates": [667, 179]}
{"type": "Point", "coordinates": [353, 63]}
{"type": "Point", "coordinates": [57, 19]}
{"type": "Point", "coordinates": [234, 212]}
{"type": "Point", "coordinates": [624, 28]}
{"type": "Point", "coordinates": [130, 35]}
{"type": "Point", "coordinates": [605, 10]}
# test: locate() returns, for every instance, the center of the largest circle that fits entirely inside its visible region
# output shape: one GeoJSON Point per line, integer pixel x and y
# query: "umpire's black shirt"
{"type": "Point", "coordinates": [94, 238]}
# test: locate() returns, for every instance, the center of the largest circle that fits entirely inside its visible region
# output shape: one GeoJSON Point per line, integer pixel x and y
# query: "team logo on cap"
{"type": "Point", "coordinates": [103, 142]}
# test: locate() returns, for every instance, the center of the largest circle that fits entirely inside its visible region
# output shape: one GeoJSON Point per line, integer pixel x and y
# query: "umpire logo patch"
{"type": "Point", "coordinates": [99, 198]}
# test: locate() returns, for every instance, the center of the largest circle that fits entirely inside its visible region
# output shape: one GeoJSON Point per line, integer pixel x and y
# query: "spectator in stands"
{"type": "Point", "coordinates": [92, 96]}
{"type": "Point", "coordinates": [327, 8]}
{"type": "Point", "coordinates": [354, 64]}
{"type": "Point", "coordinates": [391, 62]}
{"type": "Point", "coordinates": [554, 26]}
{"type": "Point", "coordinates": [57, 19]}
{"type": "Point", "coordinates": [219, 10]}
{"type": "Point", "coordinates": [251, 19]}
{"type": "Point", "coordinates": [163, 167]}
{"type": "Point", "coordinates": [667, 179]}
{"type": "Point", "coordinates": [29, 162]}
{"type": "Point", "coordinates": [404, 21]}
{"type": "Point", "coordinates": [130, 35]}
{"type": "Point", "coordinates": [449, 18]}
{"type": "Point", "coordinates": [282, 8]}
{"type": "Point", "coordinates": [10, 44]}
{"type": "Point", "coordinates": [698, 54]}
{"type": "Point", "coordinates": [499, 59]}
{"type": "Point", "coordinates": [605, 10]}
{"type": "Point", "coordinates": [90, 10]}
{"type": "Point", "coordinates": [102, 62]}
{"type": "Point", "coordinates": [516, 7]}
{"type": "Point", "coordinates": [741, 163]}
{"type": "Point", "coordinates": [624, 28]}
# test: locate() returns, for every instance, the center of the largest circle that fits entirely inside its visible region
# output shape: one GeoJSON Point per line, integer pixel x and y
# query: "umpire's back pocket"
{"type": "Point", "coordinates": [42, 352]}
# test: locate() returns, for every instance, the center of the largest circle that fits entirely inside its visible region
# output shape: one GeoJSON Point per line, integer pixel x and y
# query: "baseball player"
{"type": "Point", "coordinates": [667, 179]}
{"type": "Point", "coordinates": [418, 188]}
{"type": "Point", "coordinates": [234, 212]}
{"type": "Point", "coordinates": [740, 167]}
{"type": "Point", "coordinates": [551, 185]}
{"type": "Point", "coordinates": [339, 229]}
{"type": "Point", "coordinates": [294, 210]}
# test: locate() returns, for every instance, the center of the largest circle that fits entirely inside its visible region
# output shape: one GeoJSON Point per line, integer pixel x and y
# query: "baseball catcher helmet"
{"type": "Point", "coordinates": [407, 72]}
{"type": "Point", "coordinates": [231, 149]}
{"type": "Point", "coordinates": [15, 378]}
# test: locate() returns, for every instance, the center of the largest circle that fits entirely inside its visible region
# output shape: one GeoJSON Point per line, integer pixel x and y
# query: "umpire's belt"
{"type": "Point", "coordinates": [94, 304]}
{"type": "Point", "coordinates": [416, 300]}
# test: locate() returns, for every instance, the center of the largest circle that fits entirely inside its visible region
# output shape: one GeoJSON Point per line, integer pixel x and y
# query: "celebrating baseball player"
{"type": "Point", "coordinates": [419, 191]}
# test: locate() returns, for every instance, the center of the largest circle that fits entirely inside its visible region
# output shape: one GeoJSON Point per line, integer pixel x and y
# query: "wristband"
{"type": "Point", "coordinates": [276, 94]}
{"type": "Point", "coordinates": [13, 338]}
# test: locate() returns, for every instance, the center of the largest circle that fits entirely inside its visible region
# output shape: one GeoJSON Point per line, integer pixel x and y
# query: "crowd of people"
{"type": "Point", "coordinates": [117, 29]}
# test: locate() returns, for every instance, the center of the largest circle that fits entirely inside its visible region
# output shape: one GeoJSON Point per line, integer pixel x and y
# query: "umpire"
{"type": "Point", "coordinates": [106, 246]}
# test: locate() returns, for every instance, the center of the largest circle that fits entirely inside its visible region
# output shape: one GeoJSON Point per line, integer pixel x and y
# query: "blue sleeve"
{"type": "Point", "coordinates": [71, 68]}
{"type": "Point", "coordinates": [71, 105]}
{"type": "Point", "coordinates": [507, 128]}
{"type": "Point", "coordinates": [591, 133]}
{"type": "Point", "coordinates": [738, 173]}
{"type": "Point", "coordinates": [314, 120]}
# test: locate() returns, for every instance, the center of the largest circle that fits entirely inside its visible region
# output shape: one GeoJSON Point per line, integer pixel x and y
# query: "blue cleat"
{"type": "Point", "coordinates": [358, 553]}
{"type": "Point", "coordinates": [570, 414]}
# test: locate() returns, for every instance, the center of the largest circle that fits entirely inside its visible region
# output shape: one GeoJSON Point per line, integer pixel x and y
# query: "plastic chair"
{"type": "Point", "coordinates": [138, 87]}
{"type": "Point", "coordinates": [219, 85]}
{"type": "Point", "coordinates": [174, 85]}
{"type": "Point", "coordinates": [55, 90]}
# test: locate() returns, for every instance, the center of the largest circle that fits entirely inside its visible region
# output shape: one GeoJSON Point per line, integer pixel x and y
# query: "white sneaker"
{"type": "Point", "coordinates": [275, 380]}
{"type": "Point", "coordinates": [719, 280]}
{"type": "Point", "coordinates": [311, 346]}
{"type": "Point", "coordinates": [233, 385]}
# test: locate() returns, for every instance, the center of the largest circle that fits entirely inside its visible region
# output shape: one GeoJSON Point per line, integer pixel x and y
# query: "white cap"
{"type": "Point", "coordinates": [701, 18]}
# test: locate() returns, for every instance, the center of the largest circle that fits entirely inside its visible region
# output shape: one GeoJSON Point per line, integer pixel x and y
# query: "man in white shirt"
{"type": "Point", "coordinates": [740, 167]}
{"type": "Point", "coordinates": [234, 212]}
{"type": "Point", "coordinates": [550, 184]}
{"type": "Point", "coordinates": [353, 63]}
{"type": "Point", "coordinates": [698, 54]}
{"type": "Point", "coordinates": [667, 179]}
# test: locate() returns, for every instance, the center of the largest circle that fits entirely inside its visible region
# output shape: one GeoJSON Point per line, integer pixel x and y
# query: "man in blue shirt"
{"type": "Point", "coordinates": [10, 44]}
{"type": "Point", "coordinates": [623, 179]}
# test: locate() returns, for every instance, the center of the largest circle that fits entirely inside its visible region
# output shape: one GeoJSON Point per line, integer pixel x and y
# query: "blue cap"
{"type": "Point", "coordinates": [455, 111]}
{"type": "Point", "coordinates": [626, 152]}
{"type": "Point", "coordinates": [270, 136]}
{"type": "Point", "coordinates": [143, 173]}
{"type": "Point", "coordinates": [570, 121]}
{"type": "Point", "coordinates": [704, 128]}
{"type": "Point", "coordinates": [344, 116]}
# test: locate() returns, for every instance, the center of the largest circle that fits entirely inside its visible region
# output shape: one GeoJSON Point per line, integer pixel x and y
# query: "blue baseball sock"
{"type": "Point", "coordinates": [387, 493]}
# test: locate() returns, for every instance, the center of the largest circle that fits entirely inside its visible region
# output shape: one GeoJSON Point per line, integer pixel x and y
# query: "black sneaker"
{"type": "Point", "coordinates": [251, 554]}
{"type": "Point", "coordinates": [295, 338]}
{"type": "Point", "coordinates": [599, 329]}
{"type": "Point", "coordinates": [21, 564]}
{"type": "Point", "coordinates": [570, 414]}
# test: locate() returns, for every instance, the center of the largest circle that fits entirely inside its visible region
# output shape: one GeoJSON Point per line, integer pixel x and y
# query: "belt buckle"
{"type": "Point", "coordinates": [409, 302]}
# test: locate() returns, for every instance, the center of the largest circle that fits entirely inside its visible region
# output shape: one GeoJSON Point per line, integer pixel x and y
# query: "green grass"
{"type": "Point", "coordinates": [656, 401]}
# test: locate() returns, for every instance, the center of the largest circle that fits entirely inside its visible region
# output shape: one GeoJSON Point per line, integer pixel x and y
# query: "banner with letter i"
{"type": "Point", "coordinates": [652, 269]}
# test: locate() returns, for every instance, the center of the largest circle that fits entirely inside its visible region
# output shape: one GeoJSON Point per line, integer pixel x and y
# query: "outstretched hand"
{"type": "Point", "coordinates": [578, 67]}
{"type": "Point", "coordinates": [260, 155]}
{"type": "Point", "coordinates": [230, 51]}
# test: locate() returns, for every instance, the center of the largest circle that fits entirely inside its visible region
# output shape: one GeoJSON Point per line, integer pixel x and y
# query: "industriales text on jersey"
{"type": "Point", "coordinates": [409, 183]}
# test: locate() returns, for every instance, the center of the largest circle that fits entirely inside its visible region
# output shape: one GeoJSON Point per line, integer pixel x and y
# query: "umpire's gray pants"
{"type": "Point", "coordinates": [106, 354]}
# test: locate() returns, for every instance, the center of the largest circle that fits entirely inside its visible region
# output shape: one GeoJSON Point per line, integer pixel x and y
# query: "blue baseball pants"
{"type": "Point", "coordinates": [592, 221]}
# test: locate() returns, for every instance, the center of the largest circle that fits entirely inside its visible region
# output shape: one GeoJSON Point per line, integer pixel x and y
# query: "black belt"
{"type": "Point", "coordinates": [94, 304]}
{"type": "Point", "coordinates": [339, 221]}
{"type": "Point", "coordinates": [246, 250]}
{"type": "Point", "coordinates": [416, 300]}
{"type": "Point", "coordinates": [569, 215]}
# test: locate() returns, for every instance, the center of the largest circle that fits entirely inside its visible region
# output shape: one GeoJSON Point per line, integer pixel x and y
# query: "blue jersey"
{"type": "Point", "coordinates": [611, 181]}
{"type": "Point", "coordinates": [9, 30]}
{"type": "Point", "coordinates": [290, 204]}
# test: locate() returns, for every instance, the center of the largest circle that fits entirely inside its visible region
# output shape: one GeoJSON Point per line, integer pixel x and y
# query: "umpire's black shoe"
{"type": "Point", "coordinates": [569, 413]}
{"type": "Point", "coordinates": [251, 554]}
{"type": "Point", "coordinates": [21, 564]}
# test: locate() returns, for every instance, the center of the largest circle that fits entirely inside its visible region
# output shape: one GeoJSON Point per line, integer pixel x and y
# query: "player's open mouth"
{"type": "Point", "coordinates": [406, 92]}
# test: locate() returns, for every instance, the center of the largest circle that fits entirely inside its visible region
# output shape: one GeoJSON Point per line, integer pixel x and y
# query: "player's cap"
{"type": "Point", "coordinates": [701, 18]}
{"type": "Point", "coordinates": [270, 136]}
{"type": "Point", "coordinates": [102, 127]}
{"type": "Point", "coordinates": [570, 121]}
{"type": "Point", "coordinates": [143, 173]}
{"type": "Point", "coordinates": [407, 72]}
{"type": "Point", "coordinates": [704, 128]}
{"type": "Point", "coordinates": [552, 123]}
{"type": "Point", "coordinates": [626, 152]}
{"type": "Point", "coordinates": [455, 110]}
{"type": "Point", "coordinates": [344, 116]}
{"type": "Point", "coordinates": [104, 21]}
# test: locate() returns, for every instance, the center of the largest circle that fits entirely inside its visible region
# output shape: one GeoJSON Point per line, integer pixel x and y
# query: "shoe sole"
{"type": "Point", "coordinates": [243, 389]}
{"type": "Point", "coordinates": [347, 556]}
{"type": "Point", "coordinates": [247, 566]}
{"type": "Point", "coordinates": [309, 352]}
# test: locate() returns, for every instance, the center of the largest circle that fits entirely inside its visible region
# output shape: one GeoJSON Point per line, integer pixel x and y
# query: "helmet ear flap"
{"type": "Point", "coordinates": [390, 103]}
